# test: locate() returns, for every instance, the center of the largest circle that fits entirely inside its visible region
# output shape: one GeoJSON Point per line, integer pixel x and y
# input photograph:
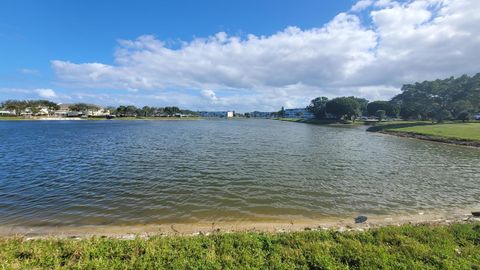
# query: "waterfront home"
{"type": "Point", "coordinates": [26, 112]}
{"type": "Point", "coordinates": [63, 110]}
{"type": "Point", "coordinates": [42, 111]}
{"type": "Point", "coordinates": [298, 113]}
{"type": "Point", "coordinates": [36, 111]}
{"type": "Point", "coordinates": [98, 113]}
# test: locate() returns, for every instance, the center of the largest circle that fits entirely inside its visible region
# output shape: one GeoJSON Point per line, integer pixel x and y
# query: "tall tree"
{"type": "Point", "coordinates": [318, 107]}
{"type": "Point", "coordinates": [391, 109]}
{"type": "Point", "coordinates": [344, 107]}
{"type": "Point", "coordinates": [440, 99]}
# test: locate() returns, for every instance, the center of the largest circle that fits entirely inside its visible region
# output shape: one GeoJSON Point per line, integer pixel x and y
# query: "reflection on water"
{"type": "Point", "coordinates": [136, 172]}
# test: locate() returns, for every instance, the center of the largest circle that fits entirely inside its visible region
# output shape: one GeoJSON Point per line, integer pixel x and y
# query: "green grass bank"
{"type": "Point", "coordinates": [455, 246]}
{"type": "Point", "coordinates": [451, 132]}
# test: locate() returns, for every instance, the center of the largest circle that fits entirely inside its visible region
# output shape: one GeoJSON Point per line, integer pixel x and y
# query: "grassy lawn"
{"type": "Point", "coordinates": [10, 118]}
{"type": "Point", "coordinates": [468, 131]}
{"type": "Point", "coordinates": [453, 130]}
{"type": "Point", "coordinates": [455, 246]}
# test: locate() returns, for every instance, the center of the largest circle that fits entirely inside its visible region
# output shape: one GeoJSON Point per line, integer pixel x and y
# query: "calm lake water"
{"type": "Point", "coordinates": [144, 172]}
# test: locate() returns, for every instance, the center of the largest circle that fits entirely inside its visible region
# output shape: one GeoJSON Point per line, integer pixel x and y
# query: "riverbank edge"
{"type": "Point", "coordinates": [444, 217]}
{"type": "Point", "coordinates": [419, 136]}
{"type": "Point", "coordinates": [389, 130]}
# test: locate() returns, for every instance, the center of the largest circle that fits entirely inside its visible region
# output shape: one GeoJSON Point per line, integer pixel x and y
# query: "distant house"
{"type": "Point", "coordinates": [220, 114]}
{"type": "Point", "coordinates": [63, 110]}
{"type": "Point", "coordinates": [26, 112]}
{"type": "Point", "coordinates": [98, 113]}
{"type": "Point", "coordinates": [74, 114]}
{"type": "Point", "coordinates": [298, 113]}
{"type": "Point", "coordinates": [43, 111]}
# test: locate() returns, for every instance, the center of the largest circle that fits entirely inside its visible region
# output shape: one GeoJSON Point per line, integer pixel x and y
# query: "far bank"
{"type": "Point", "coordinates": [459, 133]}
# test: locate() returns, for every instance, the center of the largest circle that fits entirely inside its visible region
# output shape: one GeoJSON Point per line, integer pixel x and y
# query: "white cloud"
{"type": "Point", "coordinates": [209, 95]}
{"type": "Point", "coordinates": [319, 56]}
{"type": "Point", "coordinates": [404, 42]}
{"type": "Point", "coordinates": [361, 5]}
{"type": "Point", "coordinates": [45, 93]}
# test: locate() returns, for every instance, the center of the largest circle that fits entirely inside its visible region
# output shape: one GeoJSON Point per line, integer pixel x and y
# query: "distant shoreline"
{"type": "Point", "coordinates": [97, 119]}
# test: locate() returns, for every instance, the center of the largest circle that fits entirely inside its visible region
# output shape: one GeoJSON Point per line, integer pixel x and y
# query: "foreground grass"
{"type": "Point", "coordinates": [407, 247]}
{"type": "Point", "coordinates": [454, 131]}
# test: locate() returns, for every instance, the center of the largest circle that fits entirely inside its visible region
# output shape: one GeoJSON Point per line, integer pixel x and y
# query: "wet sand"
{"type": "Point", "coordinates": [206, 228]}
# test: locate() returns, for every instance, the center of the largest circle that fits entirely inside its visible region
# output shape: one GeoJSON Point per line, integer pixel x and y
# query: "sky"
{"type": "Point", "coordinates": [241, 55]}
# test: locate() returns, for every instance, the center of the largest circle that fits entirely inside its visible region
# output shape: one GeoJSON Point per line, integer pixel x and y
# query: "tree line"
{"type": "Point", "coordinates": [34, 106]}
{"type": "Point", "coordinates": [438, 100]}
{"type": "Point", "coordinates": [147, 111]}
{"type": "Point", "coordinates": [19, 106]}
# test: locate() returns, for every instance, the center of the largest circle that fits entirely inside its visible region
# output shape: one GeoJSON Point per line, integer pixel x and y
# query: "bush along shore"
{"type": "Point", "coordinates": [467, 134]}
{"type": "Point", "coordinates": [454, 246]}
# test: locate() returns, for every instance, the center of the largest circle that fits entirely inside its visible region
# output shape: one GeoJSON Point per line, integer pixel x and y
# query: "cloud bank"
{"type": "Point", "coordinates": [399, 42]}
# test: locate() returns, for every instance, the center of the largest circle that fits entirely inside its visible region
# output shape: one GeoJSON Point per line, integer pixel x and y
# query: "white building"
{"type": "Point", "coordinates": [43, 111]}
{"type": "Point", "coordinates": [65, 111]}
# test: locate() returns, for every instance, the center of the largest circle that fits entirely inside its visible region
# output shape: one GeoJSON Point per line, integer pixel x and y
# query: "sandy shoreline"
{"type": "Point", "coordinates": [205, 228]}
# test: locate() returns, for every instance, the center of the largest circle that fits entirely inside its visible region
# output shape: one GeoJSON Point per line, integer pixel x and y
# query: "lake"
{"type": "Point", "coordinates": [55, 173]}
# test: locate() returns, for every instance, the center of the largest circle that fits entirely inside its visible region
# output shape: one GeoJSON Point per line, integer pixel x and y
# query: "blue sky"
{"type": "Point", "coordinates": [241, 55]}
